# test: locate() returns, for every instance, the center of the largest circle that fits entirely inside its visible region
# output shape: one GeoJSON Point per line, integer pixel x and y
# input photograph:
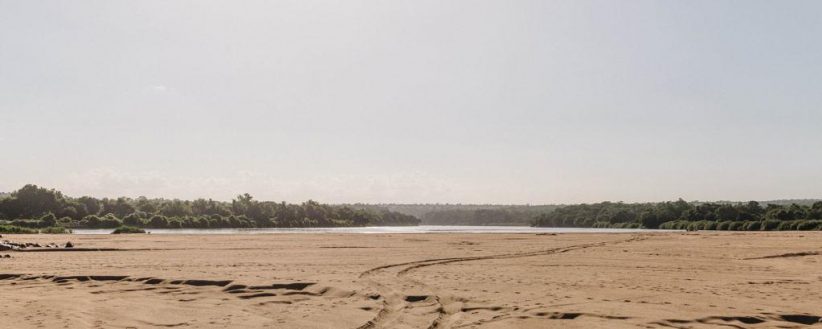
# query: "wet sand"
{"type": "Point", "coordinates": [663, 280]}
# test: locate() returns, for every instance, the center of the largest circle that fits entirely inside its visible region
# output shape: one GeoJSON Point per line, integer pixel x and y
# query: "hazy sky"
{"type": "Point", "coordinates": [413, 101]}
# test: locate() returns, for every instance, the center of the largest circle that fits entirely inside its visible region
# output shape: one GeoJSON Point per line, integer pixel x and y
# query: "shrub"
{"type": "Point", "coordinates": [133, 219]}
{"type": "Point", "coordinates": [158, 221]}
{"type": "Point", "coordinates": [806, 225]}
{"type": "Point", "coordinates": [601, 225]}
{"type": "Point", "coordinates": [11, 229]}
{"type": "Point", "coordinates": [200, 222]}
{"type": "Point", "coordinates": [55, 230]}
{"type": "Point", "coordinates": [175, 222]}
{"type": "Point", "coordinates": [785, 225]}
{"type": "Point", "coordinates": [243, 221]}
{"type": "Point", "coordinates": [65, 221]}
{"type": "Point", "coordinates": [723, 226]}
{"type": "Point", "coordinates": [674, 225]}
{"type": "Point", "coordinates": [110, 221]}
{"type": "Point", "coordinates": [90, 221]}
{"type": "Point", "coordinates": [48, 220]}
{"type": "Point", "coordinates": [614, 225]}
{"type": "Point", "coordinates": [692, 226]}
{"type": "Point", "coordinates": [128, 230]}
{"type": "Point", "coordinates": [28, 223]}
{"type": "Point", "coordinates": [752, 226]}
{"type": "Point", "coordinates": [770, 225]}
{"type": "Point", "coordinates": [218, 221]}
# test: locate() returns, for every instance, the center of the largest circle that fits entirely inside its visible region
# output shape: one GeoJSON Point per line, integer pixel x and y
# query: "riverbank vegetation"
{"type": "Point", "coordinates": [728, 216]}
{"type": "Point", "coordinates": [11, 229]}
{"type": "Point", "coordinates": [128, 230]}
{"type": "Point", "coordinates": [33, 207]}
{"type": "Point", "coordinates": [508, 216]}
{"type": "Point", "coordinates": [466, 214]}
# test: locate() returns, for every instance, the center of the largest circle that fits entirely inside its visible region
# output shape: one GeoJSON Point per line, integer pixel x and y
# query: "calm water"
{"type": "Point", "coordinates": [379, 230]}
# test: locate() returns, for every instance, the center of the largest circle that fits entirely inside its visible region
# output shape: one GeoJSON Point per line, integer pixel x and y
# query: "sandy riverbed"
{"type": "Point", "coordinates": [680, 280]}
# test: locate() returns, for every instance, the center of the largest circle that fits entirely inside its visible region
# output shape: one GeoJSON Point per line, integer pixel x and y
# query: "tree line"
{"type": "Point", "coordinates": [680, 214]}
{"type": "Point", "coordinates": [466, 214]}
{"type": "Point", "coordinates": [481, 217]}
{"type": "Point", "coordinates": [36, 207]}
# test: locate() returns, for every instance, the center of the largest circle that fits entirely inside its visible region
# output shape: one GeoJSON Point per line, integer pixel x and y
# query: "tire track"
{"type": "Point", "coordinates": [435, 312]}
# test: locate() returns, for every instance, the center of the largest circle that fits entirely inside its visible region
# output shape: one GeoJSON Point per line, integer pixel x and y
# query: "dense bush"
{"type": "Point", "coordinates": [753, 226]}
{"type": "Point", "coordinates": [681, 215]}
{"type": "Point", "coordinates": [29, 223]}
{"type": "Point", "coordinates": [134, 219]}
{"type": "Point", "coordinates": [790, 225]}
{"type": "Point", "coordinates": [766, 225]}
{"type": "Point", "coordinates": [48, 220]}
{"type": "Point", "coordinates": [809, 225]}
{"type": "Point", "coordinates": [626, 225]}
{"type": "Point", "coordinates": [10, 229]}
{"type": "Point", "coordinates": [128, 230]}
{"type": "Point", "coordinates": [674, 225]}
{"type": "Point", "coordinates": [110, 221]}
{"type": "Point", "coordinates": [510, 215]}
{"type": "Point", "coordinates": [601, 225]}
{"type": "Point", "coordinates": [770, 225]}
{"type": "Point", "coordinates": [55, 230]}
{"type": "Point", "coordinates": [35, 207]}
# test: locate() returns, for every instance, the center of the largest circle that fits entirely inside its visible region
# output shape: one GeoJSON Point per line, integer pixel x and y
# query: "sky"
{"type": "Point", "coordinates": [465, 101]}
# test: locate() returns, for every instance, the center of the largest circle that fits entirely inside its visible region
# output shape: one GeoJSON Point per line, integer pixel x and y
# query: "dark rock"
{"type": "Point", "coordinates": [414, 299]}
{"type": "Point", "coordinates": [69, 245]}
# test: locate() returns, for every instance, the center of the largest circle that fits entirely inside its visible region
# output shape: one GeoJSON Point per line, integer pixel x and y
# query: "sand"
{"type": "Point", "coordinates": [664, 280]}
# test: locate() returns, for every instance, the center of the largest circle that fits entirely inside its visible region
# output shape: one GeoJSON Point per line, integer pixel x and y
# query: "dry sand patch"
{"type": "Point", "coordinates": [679, 280]}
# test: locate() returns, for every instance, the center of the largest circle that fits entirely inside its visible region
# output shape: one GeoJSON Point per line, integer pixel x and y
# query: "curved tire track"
{"type": "Point", "coordinates": [395, 312]}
